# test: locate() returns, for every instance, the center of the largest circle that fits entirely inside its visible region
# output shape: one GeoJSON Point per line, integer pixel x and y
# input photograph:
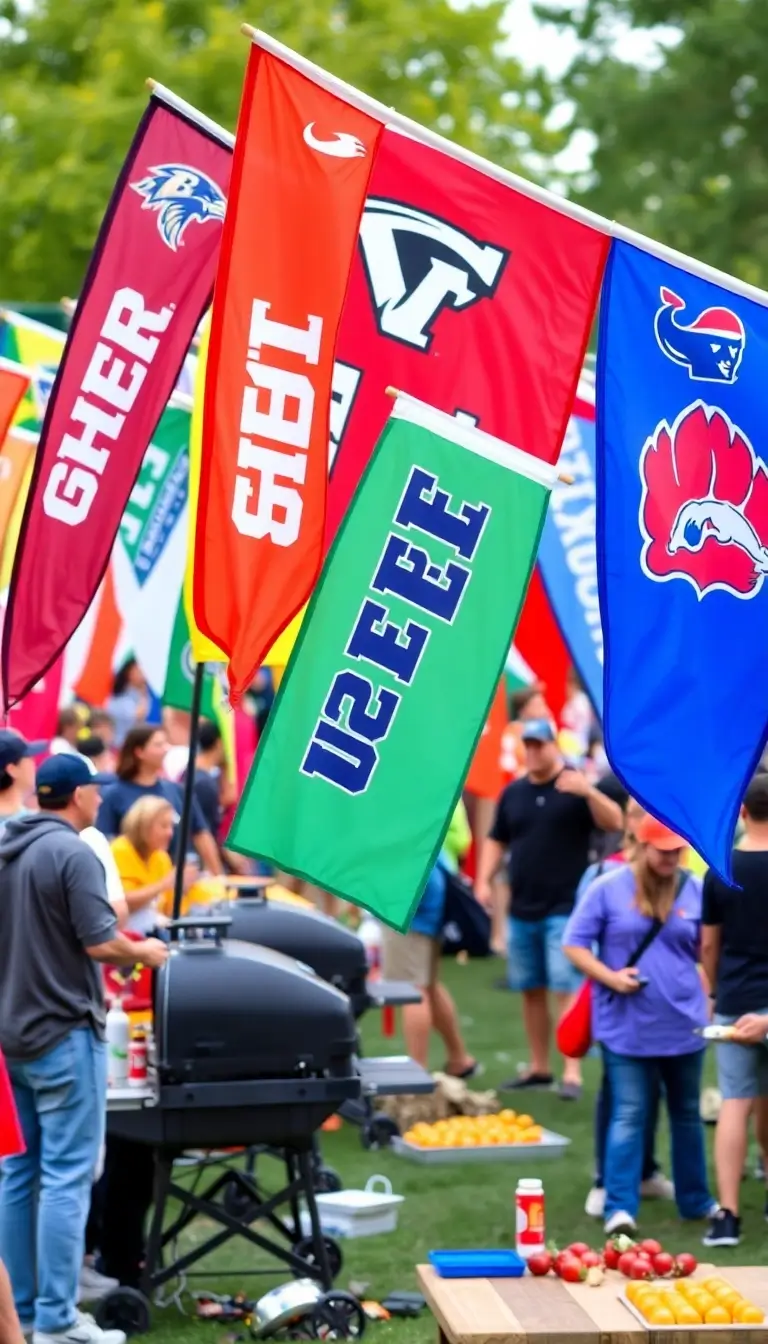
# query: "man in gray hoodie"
{"type": "Point", "coordinates": [56, 925]}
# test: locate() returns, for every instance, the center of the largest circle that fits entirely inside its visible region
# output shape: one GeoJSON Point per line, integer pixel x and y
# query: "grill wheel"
{"type": "Point", "coordinates": [305, 1248]}
{"type": "Point", "coordinates": [124, 1309]}
{"type": "Point", "coordinates": [338, 1315]}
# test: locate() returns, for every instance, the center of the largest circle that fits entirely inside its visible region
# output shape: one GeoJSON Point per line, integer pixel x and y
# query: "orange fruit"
{"type": "Point", "coordinates": [717, 1315]}
{"type": "Point", "coordinates": [686, 1315]}
{"type": "Point", "coordinates": [524, 1121]}
{"type": "Point", "coordinates": [701, 1301]}
{"type": "Point", "coordinates": [749, 1314]}
{"type": "Point", "coordinates": [659, 1315]}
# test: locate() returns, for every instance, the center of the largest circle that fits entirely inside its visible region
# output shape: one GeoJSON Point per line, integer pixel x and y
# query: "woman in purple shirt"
{"type": "Point", "coordinates": [644, 1015]}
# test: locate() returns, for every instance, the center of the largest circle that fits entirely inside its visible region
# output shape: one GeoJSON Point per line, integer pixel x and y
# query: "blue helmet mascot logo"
{"type": "Point", "coordinates": [181, 196]}
{"type": "Point", "coordinates": [710, 348]}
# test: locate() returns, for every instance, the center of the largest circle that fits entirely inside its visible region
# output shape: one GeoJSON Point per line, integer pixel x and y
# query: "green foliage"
{"type": "Point", "coordinates": [72, 90]}
{"type": "Point", "coordinates": [682, 147]}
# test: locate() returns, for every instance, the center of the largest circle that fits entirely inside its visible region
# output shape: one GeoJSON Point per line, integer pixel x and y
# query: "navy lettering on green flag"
{"type": "Point", "coordinates": [397, 662]}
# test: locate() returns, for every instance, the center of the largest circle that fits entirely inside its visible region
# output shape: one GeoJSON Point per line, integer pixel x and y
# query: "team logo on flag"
{"type": "Point", "coordinates": [417, 265]}
{"type": "Point", "coordinates": [704, 505]}
{"type": "Point", "coordinates": [181, 196]}
{"type": "Point", "coordinates": [710, 348]}
{"type": "Point", "coordinates": [341, 145]}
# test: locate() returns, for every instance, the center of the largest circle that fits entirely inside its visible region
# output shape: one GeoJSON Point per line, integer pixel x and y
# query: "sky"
{"type": "Point", "coordinates": [535, 43]}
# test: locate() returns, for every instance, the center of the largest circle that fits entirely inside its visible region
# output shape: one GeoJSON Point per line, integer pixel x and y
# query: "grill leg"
{"type": "Point", "coordinates": [305, 1162]}
{"type": "Point", "coordinates": [153, 1262]}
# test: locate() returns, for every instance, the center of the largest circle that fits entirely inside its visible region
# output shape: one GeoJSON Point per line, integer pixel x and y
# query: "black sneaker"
{"type": "Point", "coordinates": [724, 1229]}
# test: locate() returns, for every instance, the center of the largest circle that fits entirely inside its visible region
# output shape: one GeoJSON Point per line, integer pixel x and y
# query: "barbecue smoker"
{"type": "Point", "coordinates": [252, 1048]}
{"type": "Point", "coordinates": [337, 955]}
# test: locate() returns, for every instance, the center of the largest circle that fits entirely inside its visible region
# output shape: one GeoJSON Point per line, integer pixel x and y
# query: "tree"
{"type": "Point", "coordinates": [72, 91]}
{"type": "Point", "coordinates": [682, 144]}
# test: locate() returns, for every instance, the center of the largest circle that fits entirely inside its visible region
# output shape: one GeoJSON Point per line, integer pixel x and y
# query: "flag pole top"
{"type": "Point", "coordinates": [394, 393]}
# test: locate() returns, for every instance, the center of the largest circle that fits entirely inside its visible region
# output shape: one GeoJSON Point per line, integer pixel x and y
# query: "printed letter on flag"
{"type": "Point", "coordinates": [301, 166]}
{"type": "Point", "coordinates": [147, 286]}
{"type": "Point", "coordinates": [683, 542]}
{"type": "Point", "coordinates": [356, 745]}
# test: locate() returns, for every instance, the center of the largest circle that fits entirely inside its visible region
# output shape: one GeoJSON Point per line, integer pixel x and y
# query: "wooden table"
{"type": "Point", "coordinates": [547, 1311]}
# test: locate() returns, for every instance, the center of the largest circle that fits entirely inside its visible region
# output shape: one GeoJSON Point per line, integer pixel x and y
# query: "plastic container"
{"type": "Point", "coordinates": [118, 1033]}
{"type": "Point", "coordinates": [477, 1264]}
{"type": "Point", "coordinates": [138, 1072]}
{"type": "Point", "coordinates": [357, 1213]}
{"type": "Point", "coordinates": [529, 1218]}
{"type": "Point", "coordinates": [369, 934]}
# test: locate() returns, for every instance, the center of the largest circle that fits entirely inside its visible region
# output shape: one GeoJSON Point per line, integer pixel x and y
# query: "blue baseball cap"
{"type": "Point", "coordinates": [59, 776]}
{"type": "Point", "coordinates": [14, 748]}
{"type": "Point", "coordinates": [538, 730]}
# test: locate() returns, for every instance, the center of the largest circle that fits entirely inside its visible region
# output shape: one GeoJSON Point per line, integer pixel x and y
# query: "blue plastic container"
{"type": "Point", "coordinates": [477, 1264]}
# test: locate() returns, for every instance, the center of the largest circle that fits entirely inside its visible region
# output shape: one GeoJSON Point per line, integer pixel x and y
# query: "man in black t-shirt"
{"type": "Point", "coordinates": [544, 823]}
{"type": "Point", "coordinates": [734, 954]}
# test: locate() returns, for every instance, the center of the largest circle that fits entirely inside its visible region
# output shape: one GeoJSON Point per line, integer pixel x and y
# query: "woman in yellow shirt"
{"type": "Point", "coordinates": [144, 864]}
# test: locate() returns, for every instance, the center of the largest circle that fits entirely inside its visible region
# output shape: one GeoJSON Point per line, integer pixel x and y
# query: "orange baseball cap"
{"type": "Point", "coordinates": [649, 831]}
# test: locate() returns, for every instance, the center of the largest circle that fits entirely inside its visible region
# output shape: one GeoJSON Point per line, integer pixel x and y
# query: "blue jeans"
{"type": "Point", "coordinates": [603, 1120]}
{"type": "Point", "coordinates": [632, 1082]}
{"type": "Point", "coordinates": [45, 1193]}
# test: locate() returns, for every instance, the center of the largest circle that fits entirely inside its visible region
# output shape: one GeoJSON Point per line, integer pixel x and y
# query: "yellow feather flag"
{"type": "Point", "coordinates": [203, 650]}
{"type": "Point", "coordinates": [10, 540]}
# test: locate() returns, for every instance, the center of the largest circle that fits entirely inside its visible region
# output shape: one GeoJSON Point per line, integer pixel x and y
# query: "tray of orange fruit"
{"type": "Point", "coordinates": [700, 1304]}
{"type": "Point", "coordinates": [500, 1137]}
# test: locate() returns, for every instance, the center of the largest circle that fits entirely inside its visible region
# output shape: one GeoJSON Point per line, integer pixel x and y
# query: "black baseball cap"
{"type": "Point", "coordinates": [59, 776]}
{"type": "Point", "coordinates": [14, 748]}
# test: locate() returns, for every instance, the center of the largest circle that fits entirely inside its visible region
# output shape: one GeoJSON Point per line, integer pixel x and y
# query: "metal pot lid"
{"type": "Point", "coordinates": [281, 1305]}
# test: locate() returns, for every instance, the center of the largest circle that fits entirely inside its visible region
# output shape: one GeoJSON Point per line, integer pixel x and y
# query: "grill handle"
{"type": "Point", "coordinates": [217, 924]}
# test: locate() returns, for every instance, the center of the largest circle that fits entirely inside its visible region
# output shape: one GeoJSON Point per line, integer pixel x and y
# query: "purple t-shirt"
{"type": "Point", "coordinates": [659, 1019]}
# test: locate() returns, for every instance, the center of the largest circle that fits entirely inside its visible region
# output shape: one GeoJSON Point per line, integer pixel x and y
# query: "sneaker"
{"type": "Point", "coordinates": [724, 1229]}
{"type": "Point", "coordinates": [84, 1330]}
{"type": "Point", "coordinates": [657, 1186]}
{"type": "Point", "coordinates": [620, 1222]}
{"type": "Point", "coordinates": [541, 1082]}
{"type": "Point", "coordinates": [595, 1202]}
{"type": "Point", "coordinates": [93, 1285]}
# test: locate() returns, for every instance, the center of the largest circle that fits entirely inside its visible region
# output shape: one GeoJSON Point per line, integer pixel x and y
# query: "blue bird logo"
{"type": "Point", "coordinates": [181, 196]}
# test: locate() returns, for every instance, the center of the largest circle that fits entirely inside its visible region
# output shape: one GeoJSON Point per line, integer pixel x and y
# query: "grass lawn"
{"type": "Point", "coordinates": [468, 1205]}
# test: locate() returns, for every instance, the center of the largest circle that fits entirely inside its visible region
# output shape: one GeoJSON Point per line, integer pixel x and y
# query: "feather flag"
{"type": "Point", "coordinates": [279, 294]}
{"type": "Point", "coordinates": [148, 283]}
{"type": "Point", "coordinates": [682, 403]}
{"type": "Point", "coordinates": [355, 744]}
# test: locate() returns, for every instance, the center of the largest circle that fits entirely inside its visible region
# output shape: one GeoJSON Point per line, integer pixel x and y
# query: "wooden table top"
{"type": "Point", "coordinates": [548, 1311]}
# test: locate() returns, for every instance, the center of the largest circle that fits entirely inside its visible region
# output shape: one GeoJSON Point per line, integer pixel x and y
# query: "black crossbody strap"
{"type": "Point", "coordinates": [656, 925]}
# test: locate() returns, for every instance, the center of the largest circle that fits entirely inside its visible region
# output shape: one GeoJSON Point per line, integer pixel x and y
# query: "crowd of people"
{"type": "Point", "coordinates": [582, 886]}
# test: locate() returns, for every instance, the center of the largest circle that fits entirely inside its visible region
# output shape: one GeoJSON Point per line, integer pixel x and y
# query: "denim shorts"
{"type": "Point", "coordinates": [535, 957]}
{"type": "Point", "coordinates": [742, 1070]}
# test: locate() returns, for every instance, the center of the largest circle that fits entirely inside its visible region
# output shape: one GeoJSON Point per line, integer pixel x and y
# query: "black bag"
{"type": "Point", "coordinates": [466, 925]}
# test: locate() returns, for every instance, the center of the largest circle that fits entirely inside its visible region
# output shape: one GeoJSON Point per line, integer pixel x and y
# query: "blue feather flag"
{"type": "Point", "coordinates": [682, 545]}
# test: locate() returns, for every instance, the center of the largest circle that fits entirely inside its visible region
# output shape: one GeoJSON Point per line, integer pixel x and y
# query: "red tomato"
{"type": "Point", "coordinates": [626, 1261]}
{"type": "Point", "coordinates": [641, 1269]}
{"type": "Point", "coordinates": [685, 1264]}
{"type": "Point", "coordinates": [611, 1255]}
{"type": "Point", "coordinates": [663, 1263]}
{"type": "Point", "coordinates": [590, 1258]}
{"type": "Point", "coordinates": [571, 1269]}
{"type": "Point", "coordinates": [540, 1264]}
{"type": "Point", "coordinates": [650, 1246]}
{"type": "Point", "coordinates": [577, 1248]}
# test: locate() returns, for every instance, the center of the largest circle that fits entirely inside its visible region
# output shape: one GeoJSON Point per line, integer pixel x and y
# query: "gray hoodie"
{"type": "Point", "coordinates": [53, 904]}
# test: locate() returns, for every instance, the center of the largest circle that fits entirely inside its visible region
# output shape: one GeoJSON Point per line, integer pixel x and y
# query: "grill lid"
{"type": "Point", "coordinates": [336, 953]}
{"type": "Point", "coordinates": [229, 1010]}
